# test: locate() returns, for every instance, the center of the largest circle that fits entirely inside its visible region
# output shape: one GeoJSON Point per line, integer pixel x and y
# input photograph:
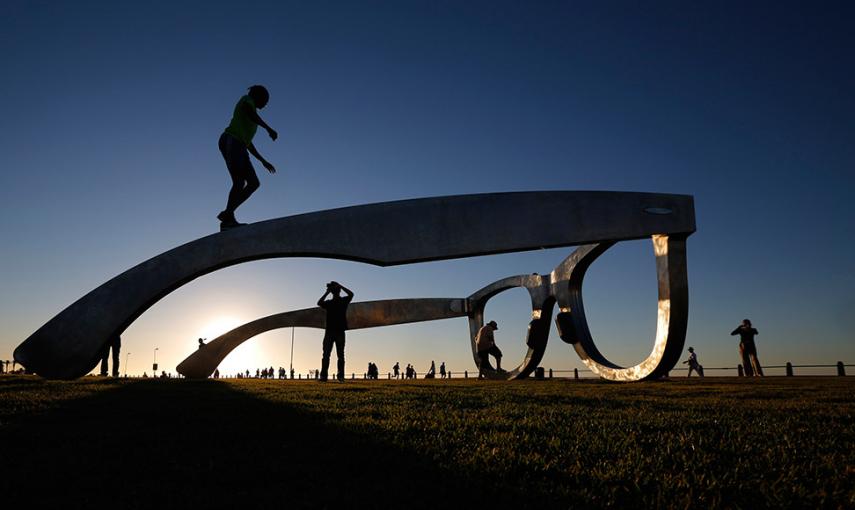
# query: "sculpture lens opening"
{"type": "Point", "coordinates": [621, 299]}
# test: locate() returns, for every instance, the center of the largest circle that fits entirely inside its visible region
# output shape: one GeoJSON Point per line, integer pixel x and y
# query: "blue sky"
{"type": "Point", "coordinates": [113, 110]}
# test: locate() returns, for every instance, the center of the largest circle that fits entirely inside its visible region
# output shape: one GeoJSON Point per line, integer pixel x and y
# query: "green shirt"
{"type": "Point", "coordinates": [241, 126]}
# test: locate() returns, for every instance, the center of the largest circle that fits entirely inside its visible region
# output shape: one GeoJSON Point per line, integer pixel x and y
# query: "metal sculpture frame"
{"type": "Point", "coordinates": [405, 232]}
{"type": "Point", "coordinates": [563, 286]}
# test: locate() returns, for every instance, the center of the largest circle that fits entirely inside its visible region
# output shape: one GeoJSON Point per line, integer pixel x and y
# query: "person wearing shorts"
{"type": "Point", "coordinates": [485, 344]}
{"type": "Point", "coordinates": [236, 145]}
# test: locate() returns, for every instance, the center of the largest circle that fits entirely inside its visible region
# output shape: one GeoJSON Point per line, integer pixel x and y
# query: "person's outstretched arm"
{"type": "Point", "coordinates": [253, 115]}
{"type": "Point", "coordinates": [735, 331]}
{"type": "Point", "coordinates": [252, 150]}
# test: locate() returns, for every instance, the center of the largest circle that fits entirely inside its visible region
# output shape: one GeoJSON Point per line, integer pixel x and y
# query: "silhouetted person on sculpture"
{"type": "Point", "coordinates": [747, 348]}
{"type": "Point", "coordinates": [201, 343]}
{"type": "Point", "coordinates": [693, 363]}
{"type": "Point", "coordinates": [114, 343]}
{"type": "Point", "coordinates": [236, 146]}
{"type": "Point", "coordinates": [336, 325]}
{"type": "Point", "coordinates": [485, 344]}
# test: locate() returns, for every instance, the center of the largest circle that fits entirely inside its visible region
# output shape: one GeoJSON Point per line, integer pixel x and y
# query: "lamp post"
{"type": "Point", "coordinates": [127, 355]}
{"type": "Point", "coordinates": [291, 368]}
{"type": "Point", "coordinates": [154, 364]}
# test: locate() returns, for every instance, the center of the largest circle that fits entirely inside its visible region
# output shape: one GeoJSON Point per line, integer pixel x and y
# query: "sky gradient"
{"type": "Point", "coordinates": [113, 111]}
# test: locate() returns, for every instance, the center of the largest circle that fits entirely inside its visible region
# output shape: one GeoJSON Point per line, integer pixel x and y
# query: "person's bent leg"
{"type": "Point", "coordinates": [497, 353]}
{"type": "Point", "coordinates": [244, 179]}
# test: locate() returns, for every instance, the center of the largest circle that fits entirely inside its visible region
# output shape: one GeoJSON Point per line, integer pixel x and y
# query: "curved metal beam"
{"type": "Point", "coordinates": [366, 314]}
{"type": "Point", "coordinates": [389, 233]}
{"type": "Point", "coordinates": [673, 310]}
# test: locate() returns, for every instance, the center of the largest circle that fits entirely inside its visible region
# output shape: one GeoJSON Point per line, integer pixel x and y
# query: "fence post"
{"type": "Point", "coordinates": [841, 370]}
{"type": "Point", "coordinates": [550, 373]}
{"type": "Point", "coordinates": [466, 374]}
{"type": "Point", "coordinates": [740, 371]}
{"type": "Point", "coordinates": [576, 374]}
{"type": "Point", "coordinates": [352, 376]}
{"type": "Point", "coordinates": [789, 369]}
{"type": "Point", "coordinates": [449, 374]}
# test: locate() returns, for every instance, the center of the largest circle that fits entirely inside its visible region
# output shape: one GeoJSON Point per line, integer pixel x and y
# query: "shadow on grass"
{"type": "Point", "coordinates": [156, 444]}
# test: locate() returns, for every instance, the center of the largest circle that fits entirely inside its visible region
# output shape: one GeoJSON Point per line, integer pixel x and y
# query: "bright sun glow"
{"type": "Point", "coordinates": [218, 326]}
{"type": "Point", "coordinates": [245, 357]}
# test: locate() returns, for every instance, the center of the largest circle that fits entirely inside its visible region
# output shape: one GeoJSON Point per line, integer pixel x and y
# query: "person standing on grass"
{"type": "Point", "coordinates": [396, 369]}
{"type": "Point", "coordinates": [485, 344]}
{"type": "Point", "coordinates": [336, 324]}
{"type": "Point", "coordinates": [748, 349]}
{"type": "Point", "coordinates": [236, 145]}
{"type": "Point", "coordinates": [442, 370]}
{"type": "Point", "coordinates": [693, 363]}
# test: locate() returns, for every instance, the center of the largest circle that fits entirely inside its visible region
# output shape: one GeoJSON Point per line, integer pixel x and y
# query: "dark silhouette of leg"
{"type": "Point", "coordinates": [116, 347]}
{"type": "Point", "coordinates": [244, 179]}
{"type": "Point", "coordinates": [104, 356]}
{"type": "Point", "coordinates": [746, 362]}
{"type": "Point", "coordinates": [339, 351]}
{"type": "Point", "coordinates": [325, 360]}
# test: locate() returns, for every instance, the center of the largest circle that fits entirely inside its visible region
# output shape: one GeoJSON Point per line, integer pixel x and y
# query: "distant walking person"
{"type": "Point", "coordinates": [693, 363]}
{"type": "Point", "coordinates": [236, 146]}
{"type": "Point", "coordinates": [748, 349]}
{"type": "Point", "coordinates": [485, 344]}
{"type": "Point", "coordinates": [336, 325]}
{"type": "Point", "coordinates": [397, 369]}
{"type": "Point", "coordinates": [114, 343]}
{"type": "Point", "coordinates": [442, 370]}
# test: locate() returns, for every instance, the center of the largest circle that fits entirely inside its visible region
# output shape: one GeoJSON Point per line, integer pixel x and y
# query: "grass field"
{"type": "Point", "coordinates": [776, 442]}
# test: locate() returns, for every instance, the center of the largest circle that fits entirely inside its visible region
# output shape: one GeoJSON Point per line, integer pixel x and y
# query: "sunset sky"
{"type": "Point", "coordinates": [108, 150]}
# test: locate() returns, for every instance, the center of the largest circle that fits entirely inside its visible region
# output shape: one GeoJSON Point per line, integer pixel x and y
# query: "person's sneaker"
{"type": "Point", "coordinates": [228, 225]}
{"type": "Point", "coordinates": [226, 217]}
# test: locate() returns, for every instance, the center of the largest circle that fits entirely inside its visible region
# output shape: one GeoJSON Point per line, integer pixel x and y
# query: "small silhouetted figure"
{"type": "Point", "coordinates": [292, 373]}
{"type": "Point", "coordinates": [336, 324]}
{"type": "Point", "coordinates": [201, 343]}
{"type": "Point", "coordinates": [163, 374]}
{"type": "Point", "coordinates": [396, 369]}
{"type": "Point", "coordinates": [485, 344]}
{"type": "Point", "coordinates": [431, 373]}
{"type": "Point", "coordinates": [747, 348]}
{"type": "Point", "coordinates": [442, 373]}
{"type": "Point", "coordinates": [236, 146]}
{"type": "Point", "coordinates": [114, 343]}
{"type": "Point", "coordinates": [692, 361]}
{"type": "Point", "coordinates": [216, 373]}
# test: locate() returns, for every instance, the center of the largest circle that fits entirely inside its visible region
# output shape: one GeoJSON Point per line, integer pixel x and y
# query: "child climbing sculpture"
{"type": "Point", "coordinates": [236, 146]}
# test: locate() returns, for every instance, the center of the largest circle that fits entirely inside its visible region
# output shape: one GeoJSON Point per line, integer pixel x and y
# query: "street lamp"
{"type": "Point", "coordinates": [127, 355]}
{"type": "Point", "coordinates": [154, 364]}
{"type": "Point", "coordinates": [291, 368]}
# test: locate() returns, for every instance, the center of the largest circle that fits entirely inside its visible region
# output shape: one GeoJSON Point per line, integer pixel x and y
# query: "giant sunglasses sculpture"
{"type": "Point", "coordinates": [406, 232]}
